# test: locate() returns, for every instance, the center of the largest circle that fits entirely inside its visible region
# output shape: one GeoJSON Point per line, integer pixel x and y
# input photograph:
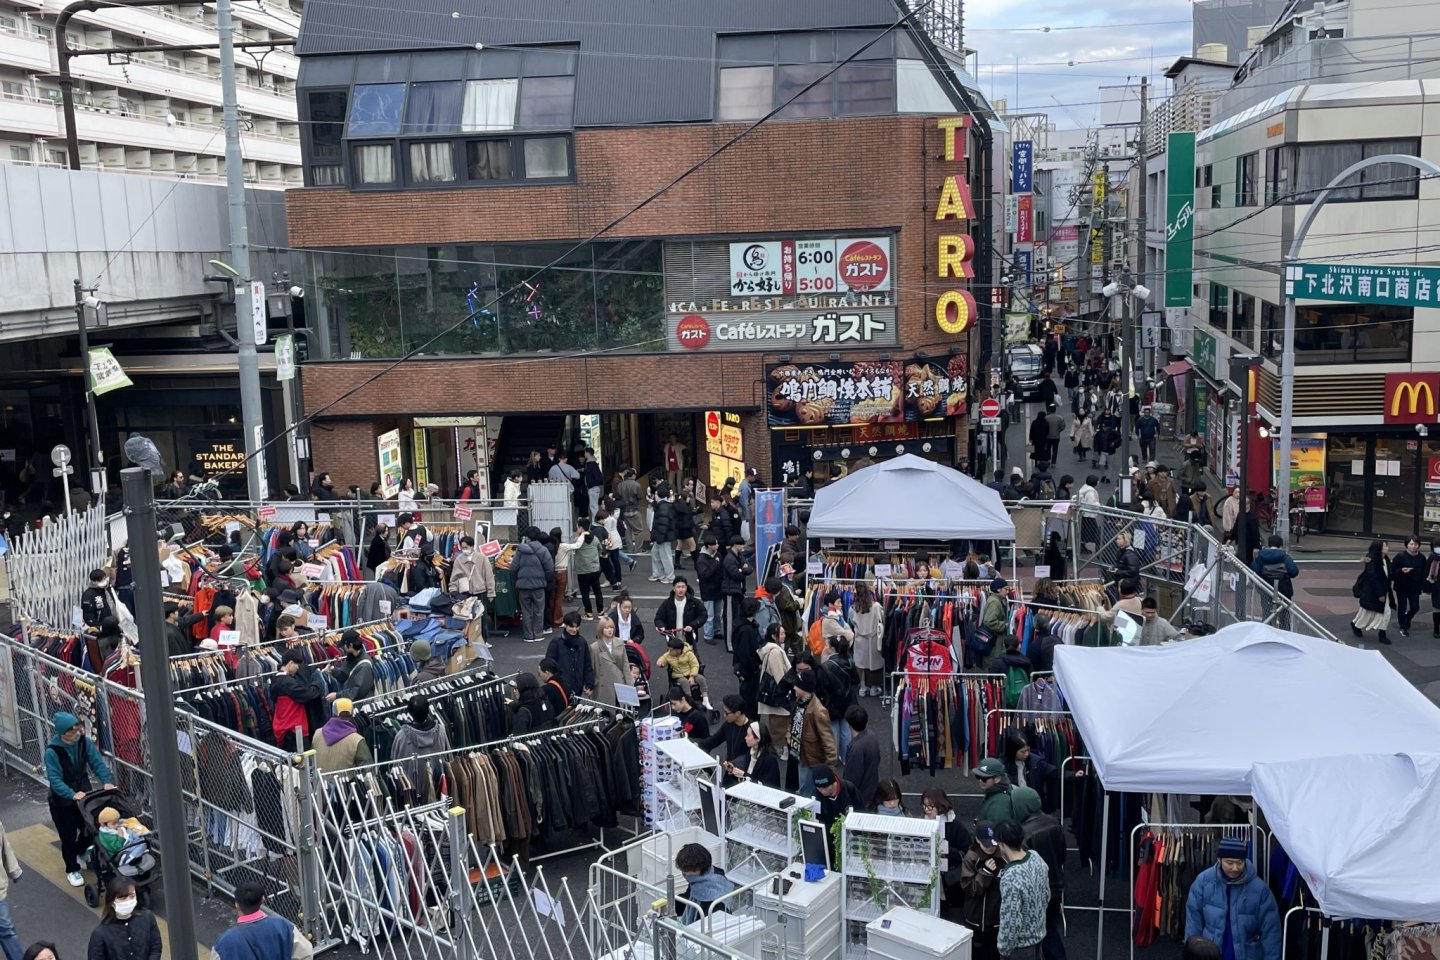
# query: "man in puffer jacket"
{"type": "Point", "coordinates": [1229, 905]}
{"type": "Point", "coordinates": [533, 568]}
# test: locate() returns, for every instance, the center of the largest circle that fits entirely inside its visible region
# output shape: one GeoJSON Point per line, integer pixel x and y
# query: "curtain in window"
{"type": "Point", "coordinates": [746, 93]}
{"type": "Point", "coordinates": [327, 176]}
{"type": "Point", "coordinates": [1319, 162]}
{"type": "Point", "coordinates": [433, 107]}
{"type": "Point", "coordinates": [488, 159]}
{"type": "Point", "coordinates": [1389, 179]}
{"type": "Point", "coordinates": [374, 163]}
{"type": "Point", "coordinates": [432, 162]}
{"type": "Point", "coordinates": [489, 105]}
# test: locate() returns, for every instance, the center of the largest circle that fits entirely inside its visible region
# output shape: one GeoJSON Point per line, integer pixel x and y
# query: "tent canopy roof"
{"type": "Point", "coordinates": [1194, 717]}
{"type": "Point", "coordinates": [1361, 829]}
{"type": "Point", "coordinates": [909, 498]}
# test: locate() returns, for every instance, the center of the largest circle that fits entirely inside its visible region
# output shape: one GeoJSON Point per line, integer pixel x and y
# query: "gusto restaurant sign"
{"type": "Point", "coordinates": [955, 308]}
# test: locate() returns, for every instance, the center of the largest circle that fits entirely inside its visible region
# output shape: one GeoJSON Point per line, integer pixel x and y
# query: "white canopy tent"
{"type": "Point", "coordinates": [1194, 717]}
{"type": "Point", "coordinates": [909, 498]}
{"type": "Point", "coordinates": [1361, 829]}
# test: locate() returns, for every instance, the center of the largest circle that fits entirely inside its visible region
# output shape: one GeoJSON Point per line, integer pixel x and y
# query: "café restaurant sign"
{"type": "Point", "coordinates": [831, 323]}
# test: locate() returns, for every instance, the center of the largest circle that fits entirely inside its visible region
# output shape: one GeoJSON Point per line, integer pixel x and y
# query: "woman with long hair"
{"type": "Point", "coordinates": [764, 764]}
{"type": "Point", "coordinates": [868, 620]}
{"type": "Point", "coordinates": [126, 932]}
{"type": "Point", "coordinates": [405, 499]}
{"type": "Point", "coordinates": [531, 712]}
{"type": "Point", "coordinates": [1374, 593]}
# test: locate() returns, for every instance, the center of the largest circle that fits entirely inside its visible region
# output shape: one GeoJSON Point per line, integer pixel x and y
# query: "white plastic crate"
{"type": "Point", "coordinates": [905, 934]}
{"type": "Point", "coordinates": [810, 913]}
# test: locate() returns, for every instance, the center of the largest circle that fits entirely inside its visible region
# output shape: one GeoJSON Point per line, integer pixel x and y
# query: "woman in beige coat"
{"type": "Point", "coordinates": [607, 655]}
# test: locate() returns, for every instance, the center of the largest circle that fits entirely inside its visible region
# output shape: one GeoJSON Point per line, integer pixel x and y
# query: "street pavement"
{"type": "Point", "coordinates": [45, 907]}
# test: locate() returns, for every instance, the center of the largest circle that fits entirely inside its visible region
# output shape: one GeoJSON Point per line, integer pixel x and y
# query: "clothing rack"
{"type": "Point", "coordinates": [1159, 849]}
{"type": "Point", "coordinates": [1041, 721]}
{"type": "Point", "coordinates": [1314, 921]}
{"type": "Point", "coordinates": [941, 724]}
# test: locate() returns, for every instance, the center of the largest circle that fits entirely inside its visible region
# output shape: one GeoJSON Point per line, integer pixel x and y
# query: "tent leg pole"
{"type": "Point", "coordinates": [1104, 865]}
{"type": "Point", "coordinates": [1325, 941]}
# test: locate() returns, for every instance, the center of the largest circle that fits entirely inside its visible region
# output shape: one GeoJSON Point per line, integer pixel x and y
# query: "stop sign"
{"type": "Point", "coordinates": [990, 408]}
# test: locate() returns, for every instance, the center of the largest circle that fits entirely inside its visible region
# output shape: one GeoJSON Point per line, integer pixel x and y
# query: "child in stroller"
{"type": "Point", "coordinates": [119, 844]}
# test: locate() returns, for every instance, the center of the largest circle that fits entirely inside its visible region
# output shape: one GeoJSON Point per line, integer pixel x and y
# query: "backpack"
{"type": "Point", "coordinates": [1046, 491]}
{"type": "Point", "coordinates": [816, 637]}
{"type": "Point", "coordinates": [840, 680]}
{"type": "Point", "coordinates": [1273, 571]}
{"type": "Point", "coordinates": [1016, 680]}
{"type": "Point", "coordinates": [774, 693]}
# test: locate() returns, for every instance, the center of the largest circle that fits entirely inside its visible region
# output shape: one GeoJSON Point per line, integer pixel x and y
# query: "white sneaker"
{"type": "Point", "coordinates": [77, 879]}
{"type": "Point", "coordinates": [707, 705]}
{"type": "Point", "coordinates": [534, 639]}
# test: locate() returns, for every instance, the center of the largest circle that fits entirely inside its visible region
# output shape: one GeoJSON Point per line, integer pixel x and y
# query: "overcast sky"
{"type": "Point", "coordinates": [1111, 42]}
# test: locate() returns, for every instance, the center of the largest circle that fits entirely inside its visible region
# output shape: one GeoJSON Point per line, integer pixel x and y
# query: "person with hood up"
{"type": "Point", "coordinates": [338, 745]}
{"type": "Point", "coordinates": [1230, 905]}
{"type": "Point", "coordinates": [706, 884]}
{"type": "Point", "coordinates": [298, 693]}
{"type": "Point", "coordinates": [70, 758]}
{"type": "Point", "coordinates": [572, 656]}
{"type": "Point", "coordinates": [431, 665]}
{"type": "Point", "coordinates": [533, 568]}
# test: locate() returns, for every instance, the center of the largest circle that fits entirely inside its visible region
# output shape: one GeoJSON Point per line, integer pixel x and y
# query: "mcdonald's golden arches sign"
{"type": "Point", "coordinates": [1412, 397]}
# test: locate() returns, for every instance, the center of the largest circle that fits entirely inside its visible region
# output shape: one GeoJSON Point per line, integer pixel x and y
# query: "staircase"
{"type": "Point", "coordinates": [520, 435]}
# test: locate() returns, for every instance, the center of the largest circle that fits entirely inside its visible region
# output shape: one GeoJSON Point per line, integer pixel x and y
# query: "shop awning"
{"type": "Point", "coordinates": [1176, 368]}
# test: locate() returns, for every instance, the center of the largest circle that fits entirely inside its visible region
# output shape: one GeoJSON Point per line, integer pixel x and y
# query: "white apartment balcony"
{"type": "Point", "coordinates": [26, 53]}
{"type": "Point", "coordinates": [35, 118]}
{"type": "Point", "coordinates": [1334, 60]}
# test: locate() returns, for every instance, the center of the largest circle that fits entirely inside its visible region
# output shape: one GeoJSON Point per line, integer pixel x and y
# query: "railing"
{"type": "Point", "coordinates": [1335, 60]}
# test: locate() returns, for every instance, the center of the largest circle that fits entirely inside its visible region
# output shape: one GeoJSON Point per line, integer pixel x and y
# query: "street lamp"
{"type": "Point", "coordinates": [1287, 358]}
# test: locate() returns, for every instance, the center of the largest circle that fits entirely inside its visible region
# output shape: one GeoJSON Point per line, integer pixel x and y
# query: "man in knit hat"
{"type": "Point", "coordinates": [70, 759]}
{"type": "Point", "coordinates": [1230, 905]}
{"type": "Point", "coordinates": [338, 745]}
{"type": "Point", "coordinates": [431, 667]}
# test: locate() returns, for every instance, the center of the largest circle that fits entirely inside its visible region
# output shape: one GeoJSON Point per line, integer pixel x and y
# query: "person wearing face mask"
{"type": "Point", "coordinates": [471, 574]}
{"type": "Point", "coordinates": [358, 683]}
{"type": "Point", "coordinates": [125, 932]}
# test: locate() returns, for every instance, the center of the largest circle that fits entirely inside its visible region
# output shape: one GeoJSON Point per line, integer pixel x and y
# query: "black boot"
{"type": "Point", "coordinates": [1357, 631]}
{"type": "Point", "coordinates": [1436, 617]}
{"type": "Point", "coordinates": [1382, 638]}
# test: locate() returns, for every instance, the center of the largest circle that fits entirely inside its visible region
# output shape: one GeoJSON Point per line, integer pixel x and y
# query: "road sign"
{"type": "Point", "coordinates": [990, 408]}
{"type": "Point", "coordinates": [992, 423]}
{"type": "Point", "coordinates": [60, 455]}
{"type": "Point", "coordinates": [1400, 286]}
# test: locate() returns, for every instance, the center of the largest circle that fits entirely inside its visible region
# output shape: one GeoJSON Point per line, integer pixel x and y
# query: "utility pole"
{"type": "Point", "coordinates": [138, 488]}
{"type": "Point", "coordinates": [246, 311]}
{"type": "Point", "coordinates": [1142, 248]}
{"type": "Point", "coordinates": [97, 458]}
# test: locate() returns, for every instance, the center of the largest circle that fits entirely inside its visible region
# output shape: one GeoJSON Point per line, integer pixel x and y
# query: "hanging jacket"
{"type": "Point", "coordinates": [1246, 904]}
{"type": "Point", "coordinates": [533, 568]}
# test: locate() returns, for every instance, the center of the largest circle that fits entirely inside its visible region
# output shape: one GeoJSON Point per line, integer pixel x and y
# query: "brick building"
{"type": "Point", "coordinates": [808, 283]}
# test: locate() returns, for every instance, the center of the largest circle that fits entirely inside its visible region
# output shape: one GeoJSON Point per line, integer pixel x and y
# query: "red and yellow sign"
{"type": "Point", "coordinates": [1412, 397]}
{"type": "Point", "coordinates": [955, 308]}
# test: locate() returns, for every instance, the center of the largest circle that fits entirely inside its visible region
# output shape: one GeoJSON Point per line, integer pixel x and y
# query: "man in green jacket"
{"type": "Point", "coordinates": [1003, 801]}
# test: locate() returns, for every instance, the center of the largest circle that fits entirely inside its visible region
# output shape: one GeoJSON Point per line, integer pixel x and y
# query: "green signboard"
{"type": "Point", "coordinates": [1179, 218]}
{"type": "Point", "coordinates": [1399, 286]}
{"type": "Point", "coordinates": [1204, 353]}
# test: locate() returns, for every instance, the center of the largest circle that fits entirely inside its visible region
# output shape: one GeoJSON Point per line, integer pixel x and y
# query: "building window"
{"type": "Point", "coordinates": [489, 105]}
{"type": "Point", "coordinates": [1245, 179]}
{"type": "Point", "coordinates": [745, 93]}
{"type": "Point", "coordinates": [374, 164]}
{"type": "Point", "coordinates": [547, 158]}
{"type": "Point", "coordinates": [864, 90]}
{"type": "Point", "coordinates": [40, 31]}
{"type": "Point", "coordinates": [1242, 318]}
{"type": "Point", "coordinates": [432, 162]}
{"type": "Point", "coordinates": [1219, 306]}
{"type": "Point", "coordinates": [1351, 333]}
{"type": "Point", "coordinates": [21, 153]}
{"type": "Point", "coordinates": [816, 102]}
{"type": "Point", "coordinates": [488, 160]}
{"type": "Point", "coordinates": [433, 108]}
{"type": "Point", "coordinates": [326, 110]}
{"type": "Point", "coordinates": [9, 24]}
{"type": "Point", "coordinates": [1277, 175]}
{"type": "Point", "coordinates": [1313, 165]}
{"type": "Point", "coordinates": [547, 103]}
{"type": "Point", "coordinates": [375, 109]}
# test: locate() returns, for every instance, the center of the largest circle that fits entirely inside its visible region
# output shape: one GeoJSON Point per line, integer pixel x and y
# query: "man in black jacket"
{"type": "Point", "coordinates": [1127, 560]}
{"type": "Point", "coordinates": [732, 734]}
{"type": "Point", "coordinates": [862, 757]}
{"type": "Point", "coordinates": [1045, 835]}
{"type": "Point", "coordinates": [95, 602]}
{"type": "Point", "coordinates": [745, 655]}
{"type": "Point", "coordinates": [734, 570]}
{"type": "Point", "coordinates": [709, 574]}
{"type": "Point", "coordinates": [662, 537]}
{"type": "Point", "coordinates": [178, 640]}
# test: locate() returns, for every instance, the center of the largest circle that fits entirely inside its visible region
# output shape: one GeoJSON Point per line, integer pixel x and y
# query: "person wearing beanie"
{"type": "Point", "coordinates": [811, 742]}
{"type": "Point", "coordinates": [995, 619]}
{"type": "Point", "coordinates": [1198, 948]}
{"type": "Point", "coordinates": [357, 674]}
{"type": "Point", "coordinates": [70, 758]}
{"type": "Point", "coordinates": [120, 838]}
{"type": "Point", "coordinates": [420, 736]}
{"type": "Point", "coordinates": [432, 667]}
{"type": "Point", "coordinates": [299, 695]}
{"type": "Point", "coordinates": [1230, 905]}
{"type": "Point", "coordinates": [836, 796]}
{"type": "Point", "coordinates": [338, 745]}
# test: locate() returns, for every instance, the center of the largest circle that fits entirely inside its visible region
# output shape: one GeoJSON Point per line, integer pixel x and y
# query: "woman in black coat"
{"type": "Point", "coordinates": [1373, 592]}
{"type": "Point", "coordinates": [126, 932]}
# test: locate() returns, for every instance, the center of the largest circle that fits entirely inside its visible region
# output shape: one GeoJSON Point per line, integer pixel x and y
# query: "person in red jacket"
{"type": "Point", "coordinates": [299, 694]}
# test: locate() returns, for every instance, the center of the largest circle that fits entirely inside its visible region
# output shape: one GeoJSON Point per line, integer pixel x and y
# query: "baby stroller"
{"type": "Point", "coordinates": [139, 860]}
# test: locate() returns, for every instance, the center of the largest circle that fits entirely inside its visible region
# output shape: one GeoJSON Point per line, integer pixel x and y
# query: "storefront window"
{"type": "Point", "coordinates": [1393, 509]}
{"type": "Point", "coordinates": [386, 302]}
{"type": "Point", "coordinates": [1346, 458]}
{"type": "Point", "coordinates": [1351, 333]}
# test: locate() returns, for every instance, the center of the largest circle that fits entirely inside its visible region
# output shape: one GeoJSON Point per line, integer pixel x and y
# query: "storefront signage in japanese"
{"type": "Point", "coordinates": [1098, 187]}
{"type": "Point", "coordinates": [1023, 268]}
{"type": "Point", "coordinates": [1180, 219]}
{"type": "Point", "coordinates": [1399, 286]}
{"type": "Point", "coordinates": [1020, 167]}
{"type": "Point", "coordinates": [1025, 219]}
{"type": "Point", "coordinates": [955, 308]}
{"type": "Point", "coordinates": [831, 325]}
{"type": "Point", "coordinates": [819, 265]}
{"type": "Point", "coordinates": [285, 357]}
{"type": "Point", "coordinates": [867, 392]}
{"type": "Point", "coordinates": [1206, 357]}
{"type": "Point", "coordinates": [713, 444]}
{"type": "Point", "coordinates": [1412, 397]}
{"type": "Point", "coordinates": [106, 374]}
{"type": "Point", "coordinates": [388, 447]}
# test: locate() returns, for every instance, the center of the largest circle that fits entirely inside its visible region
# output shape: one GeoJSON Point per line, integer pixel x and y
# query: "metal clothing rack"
{"type": "Point", "coordinates": [896, 676]}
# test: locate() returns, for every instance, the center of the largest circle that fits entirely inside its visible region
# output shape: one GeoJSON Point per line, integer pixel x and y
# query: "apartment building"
{"type": "Point", "coordinates": [154, 113]}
